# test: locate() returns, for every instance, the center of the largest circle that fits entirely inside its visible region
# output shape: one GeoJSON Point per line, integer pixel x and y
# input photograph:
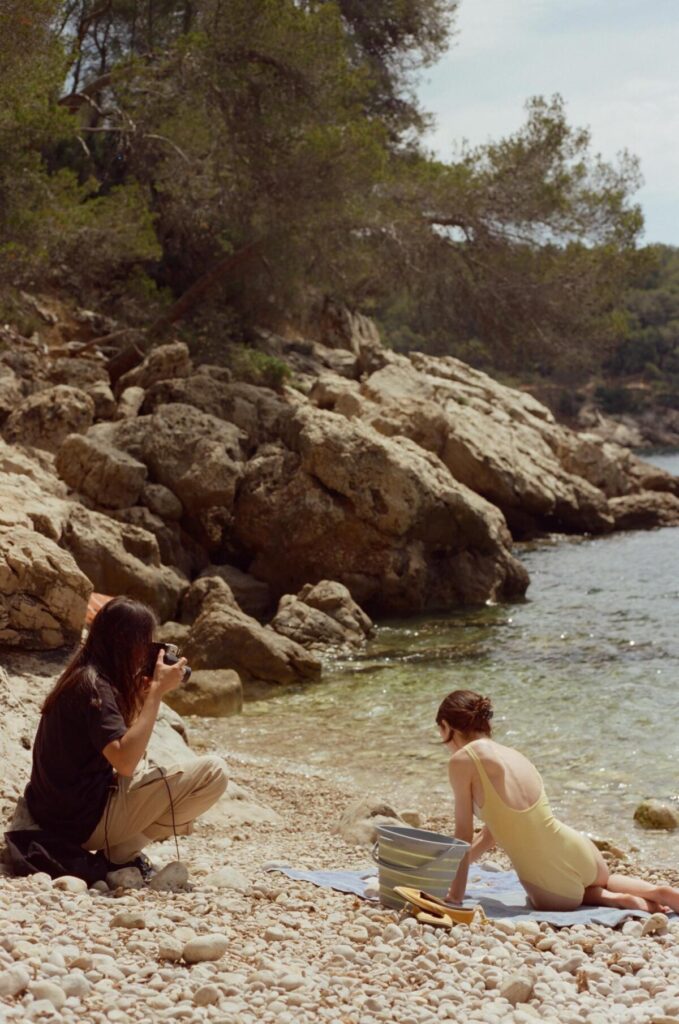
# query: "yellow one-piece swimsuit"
{"type": "Point", "coordinates": [544, 852]}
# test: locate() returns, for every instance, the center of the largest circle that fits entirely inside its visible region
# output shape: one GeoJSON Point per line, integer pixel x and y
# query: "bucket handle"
{"type": "Point", "coordinates": [400, 867]}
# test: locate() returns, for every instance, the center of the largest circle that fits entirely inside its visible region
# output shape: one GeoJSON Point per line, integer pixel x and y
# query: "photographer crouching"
{"type": "Point", "coordinates": [88, 783]}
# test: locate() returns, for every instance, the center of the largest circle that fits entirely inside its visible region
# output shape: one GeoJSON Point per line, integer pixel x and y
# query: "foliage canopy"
{"type": "Point", "coordinates": [266, 152]}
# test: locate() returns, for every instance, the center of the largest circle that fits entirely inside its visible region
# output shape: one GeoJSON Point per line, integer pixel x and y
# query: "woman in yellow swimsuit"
{"type": "Point", "coordinates": [559, 868]}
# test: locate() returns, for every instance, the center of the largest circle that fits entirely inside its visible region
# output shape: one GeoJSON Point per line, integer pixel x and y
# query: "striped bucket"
{"type": "Point", "coordinates": [415, 858]}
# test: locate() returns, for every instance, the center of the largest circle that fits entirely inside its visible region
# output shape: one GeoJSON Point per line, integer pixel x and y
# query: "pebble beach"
{"type": "Point", "coordinates": [238, 944]}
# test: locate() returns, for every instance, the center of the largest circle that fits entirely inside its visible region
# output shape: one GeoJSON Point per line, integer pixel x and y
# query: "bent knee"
{"type": "Point", "coordinates": [215, 769]}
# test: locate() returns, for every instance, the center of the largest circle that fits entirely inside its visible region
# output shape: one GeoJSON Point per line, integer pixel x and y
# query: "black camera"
{"type": "Point", "coordinates": [171, 657]}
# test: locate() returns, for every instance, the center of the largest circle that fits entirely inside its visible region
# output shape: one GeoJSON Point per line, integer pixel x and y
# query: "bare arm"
{"type": "Point", "coordinates": [483, 842]}
{"type": "Point", "coordinates": [126, 753]}
{"type": "Point", "coordinates": [461, 782]}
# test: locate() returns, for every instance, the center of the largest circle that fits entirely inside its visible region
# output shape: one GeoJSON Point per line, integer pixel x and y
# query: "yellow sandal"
{"type": "Point", "coordinates": [436, 911]}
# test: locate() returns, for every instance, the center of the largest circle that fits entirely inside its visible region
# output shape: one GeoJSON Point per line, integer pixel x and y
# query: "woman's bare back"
{"type": "Point", "coordinates": [515, 780]}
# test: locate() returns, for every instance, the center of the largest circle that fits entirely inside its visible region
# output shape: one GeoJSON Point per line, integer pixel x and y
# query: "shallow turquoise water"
{"type": "Point", "coordinates": [584, 676]}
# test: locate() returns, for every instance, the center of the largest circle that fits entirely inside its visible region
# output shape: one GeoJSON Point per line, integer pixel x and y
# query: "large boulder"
{"type": "Point", "coordinates": [104, 474]}
{"type": "Point", "coordinates": [322, 616]}
{"type": "Point", "coordinates": [252, 595]}
{"type": "Point", "coordinates": [175, 546]}
{"type": "Point", "coordinates": [499, 442]}
{"type": "Point", "coordinates": [215, 693]}
{"type": "Point", "coordinates": [31, 495]}
{"type": "Point", "coordinates": [645, 510]}
{"type": "Point", "coordinates": [45, 419]}
{"type": "Point", "coordinates": [381, 515]}
{"type": "Point", "coordinates": [256, 411]}
{"type": "Point", "coordinates": [43, 593]}
{"type": "Point", "coordinates": [195, 455]}
{"type": "Point", "coordinates": [122, 559]}
{"type": "Point", "coordinates": [223, 636]}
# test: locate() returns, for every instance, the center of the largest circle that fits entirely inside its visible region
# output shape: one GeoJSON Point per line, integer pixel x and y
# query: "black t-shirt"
{"type": "Point", "coordinates": [70, 778]}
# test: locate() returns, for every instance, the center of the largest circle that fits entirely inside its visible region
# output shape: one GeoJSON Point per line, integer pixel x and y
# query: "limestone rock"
{"type": "Point", "coordinates": [239, 806]}
{"type": "Point", "coordinates": [171, 878]}
{"type": "Point", "coordinates": [11, 394]}
{"type": "Point", "coordinates": [125, 878]}
{"type": "Point", "coordinates": [175, 547]}
{"type": "Point", "coordinates": [228, 878]}
{"type": "Point", "coordinates": [170, 948]}
{"type": "Point", "coordinates": [382, 516]}
{"type": "Point", "coordinates": [196, 456]}
{"type": "Point", "coordinates": [321, 616]}
{"type": "Point", "coordinates": [645, 510]}
{"type": "Point", "coordinates": [30, 495]}
{"type": "Point", "coordinates": [169, 743]}
{"type": "Point", "coordinates": [162, 501]}
{"type": "Point", "coordinates": [257, 411]}
{"type": "Point", "coordinates": [498, 441]}
{"type": "Point", "coordinates": [358, 823]}
{"type": "Point", "coordinates": [215, 693]}
{"type": "Point", "coordinates": [69, 883]}
{"type": "Point", "coordinates": [205, 948]}
{"type": "Point", "coordinates": [122, 559]}
{"type": "Point", "coordinates": [78, 372]}
{"type": "Point", "coordinates": [517, 988]}
{"type": "Point", "coordinates": [105, 405]}
{"type": "Point", "coordinates": [45, 419]}
{"type": "Point", "coordinates": [204, 592]}
{"type": "Point", "coordinates": [43, 593]}
{"type": "Point", "coordinates": [225, 637]}
{"type": "Point", "coordinates": [129, 403]}
{"type": "Point", "coordinates": [101, 472]}
{"type": "Point", "coordinates": [14, 981]}
{"type": "Point", "coordinates": [656, 814]}
{"type": "Point", "coordinates": [162, 363]}
{"type": "Point", "coordinates": [252, 595]}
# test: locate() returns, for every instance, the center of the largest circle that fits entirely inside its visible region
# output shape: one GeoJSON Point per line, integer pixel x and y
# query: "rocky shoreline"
{"type": "Point", "coordinates": [261, 523]}
{"type": "Point", "coordinates": [241, 945]}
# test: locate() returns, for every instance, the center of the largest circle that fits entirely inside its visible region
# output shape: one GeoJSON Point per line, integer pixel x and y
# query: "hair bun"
{"type": "Point", "coordinates": [484, 710]}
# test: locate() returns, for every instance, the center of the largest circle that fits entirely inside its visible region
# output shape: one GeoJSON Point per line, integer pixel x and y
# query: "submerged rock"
{"type": "Point", "coordinates": [656, 814]}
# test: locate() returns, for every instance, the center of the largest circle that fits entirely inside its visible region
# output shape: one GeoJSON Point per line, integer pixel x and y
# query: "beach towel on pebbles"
{"type": "Point", "coordinates": [499, 892]}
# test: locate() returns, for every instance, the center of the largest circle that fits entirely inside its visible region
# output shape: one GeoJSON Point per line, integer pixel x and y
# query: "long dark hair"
{"type": "Point", "coordinates": [466, 711]}
{"type": "Point", "coordinates": [117, 649]}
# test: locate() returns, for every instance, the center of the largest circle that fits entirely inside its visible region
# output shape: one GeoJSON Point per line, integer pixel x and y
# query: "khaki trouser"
{"type": "Point", "coordinates": [140, 809]}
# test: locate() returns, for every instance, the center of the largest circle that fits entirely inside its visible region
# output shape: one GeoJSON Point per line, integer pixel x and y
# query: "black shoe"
{"type": "Point", "coordinates": [141, 863]}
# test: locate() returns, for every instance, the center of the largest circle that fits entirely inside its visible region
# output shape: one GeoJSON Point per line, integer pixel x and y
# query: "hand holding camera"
{"type": "Point", "coordinates": [166, 670]}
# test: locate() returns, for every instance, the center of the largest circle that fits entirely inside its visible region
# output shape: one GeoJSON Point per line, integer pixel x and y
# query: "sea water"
{"type": "Point", "coordinates": [583, 674]}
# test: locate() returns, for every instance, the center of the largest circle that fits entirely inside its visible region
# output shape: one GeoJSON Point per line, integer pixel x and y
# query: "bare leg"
{"type": "Point", "coordinates": [597, 896]}
{"type": "Point", "coordinates": [664, 895]}
{"type": "Point", "coordinates": [626, 892]}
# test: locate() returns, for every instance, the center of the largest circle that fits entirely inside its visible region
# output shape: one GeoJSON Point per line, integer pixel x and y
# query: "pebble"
{"type": "Point", "coordinates": [170, 878]}
{"type": "Point", "coordinates": [228, 878]}
{"type": "Point", "coordinates": [206, 995]}
{"type": "Point", "coordinates": [14, 981]}
{"type": "Point", "coordinates": [128, 919]}
{"type": "Point", "coordinates": [656, 924]}
{"type": "Point", "coordinates": [48, 990]}
{"type": "Point", "coordinates": [68, 883]}
{"type": "Point", "coordinates": [205, 947]}
{"type": "Point", "coordinates": [518, 988]}
{"type": "Point", "coordinates": [170, 948]}
{"type": "Point", "coordinates": [125, 878]}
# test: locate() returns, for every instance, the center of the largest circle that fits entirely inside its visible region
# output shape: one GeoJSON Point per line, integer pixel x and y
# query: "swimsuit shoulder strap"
{"type": "Point", "coordinates": [488, 787]}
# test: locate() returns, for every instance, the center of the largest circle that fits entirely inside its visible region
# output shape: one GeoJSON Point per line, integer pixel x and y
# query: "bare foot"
{"type": "Point", "coordinates": [628, 902]}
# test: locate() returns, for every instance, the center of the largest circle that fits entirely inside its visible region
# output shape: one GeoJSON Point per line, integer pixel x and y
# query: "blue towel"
{"type": "Point", "coordinates": [500, 893]}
